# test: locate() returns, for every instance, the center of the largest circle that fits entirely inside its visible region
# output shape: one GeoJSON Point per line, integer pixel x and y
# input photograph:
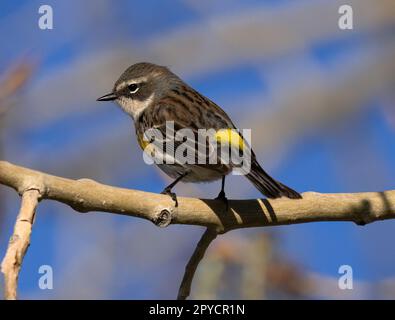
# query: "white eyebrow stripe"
{"type": "Point", "coordinates": [134, 81]}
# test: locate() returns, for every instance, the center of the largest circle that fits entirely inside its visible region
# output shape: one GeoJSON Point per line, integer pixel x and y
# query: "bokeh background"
{"type": "Point", "coordinates": [319, 100]}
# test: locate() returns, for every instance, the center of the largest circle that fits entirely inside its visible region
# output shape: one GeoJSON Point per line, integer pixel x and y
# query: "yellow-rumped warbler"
{"type": "Point", "coordinates": [154, 96]}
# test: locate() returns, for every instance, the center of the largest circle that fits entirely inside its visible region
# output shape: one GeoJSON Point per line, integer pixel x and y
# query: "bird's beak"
{"type": "Point", "coordinates": [108, 97]}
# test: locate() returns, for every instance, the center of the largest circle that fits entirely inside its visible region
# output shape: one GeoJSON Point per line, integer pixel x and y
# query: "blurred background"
{"type": "Point", "coordinates": [319, 100]}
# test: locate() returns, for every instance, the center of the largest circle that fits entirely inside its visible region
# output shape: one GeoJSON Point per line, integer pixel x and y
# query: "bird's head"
{"type": "Point", "coordinates": [140, 86]}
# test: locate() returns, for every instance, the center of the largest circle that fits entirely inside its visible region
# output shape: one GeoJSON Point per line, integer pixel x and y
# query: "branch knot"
{"type": "Point", "coordinates": [163, 219]}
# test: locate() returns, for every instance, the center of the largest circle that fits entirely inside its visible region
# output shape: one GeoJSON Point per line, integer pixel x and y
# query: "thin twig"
{"type": "Point", "coordinates": [19, 243]}
{"type": "Point", "coordinates": [13, 82]}
{"type": "Point", "coordinates": [185, 288]}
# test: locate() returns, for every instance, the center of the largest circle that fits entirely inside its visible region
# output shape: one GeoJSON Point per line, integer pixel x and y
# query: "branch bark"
{"type": "Point", "coordinates": [19, 243]}
{"type": "Point", "coordinates": [87, 195]}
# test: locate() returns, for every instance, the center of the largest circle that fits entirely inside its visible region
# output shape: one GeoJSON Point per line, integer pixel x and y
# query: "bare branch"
{"type": "Point", "coordinates": [19, 242]}
{"type": "Point", "coordinates": [185, 288]}
{"type": "Point", "coordinates": [87, 195]}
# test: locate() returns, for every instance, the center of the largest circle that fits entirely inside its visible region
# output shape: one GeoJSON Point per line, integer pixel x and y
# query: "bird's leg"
{"type": "Point", "coordinates": [221, 196]}
{"type": "Point", "coordinates": [168, 191]}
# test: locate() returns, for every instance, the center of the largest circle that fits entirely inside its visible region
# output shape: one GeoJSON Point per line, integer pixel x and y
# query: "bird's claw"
{"type": "Point", "coordinates": [172, 195]}
{"type": "Point", "coordinates": [221, 196]}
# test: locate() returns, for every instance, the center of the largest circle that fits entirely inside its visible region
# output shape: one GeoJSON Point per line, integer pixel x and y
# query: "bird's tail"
{"type": "Point", "coordinates": [267, 185]}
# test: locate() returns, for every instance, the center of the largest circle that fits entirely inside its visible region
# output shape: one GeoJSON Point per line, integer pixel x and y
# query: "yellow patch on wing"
{"type": "Point", "coordinates": [142, 142]}
{"type": "Point", "coordinates": [146, 146]}
{"type": "Point", "coordinates": [230, 137]}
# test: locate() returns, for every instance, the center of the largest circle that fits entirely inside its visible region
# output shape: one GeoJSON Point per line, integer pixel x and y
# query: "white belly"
{"type": "Point", "coordinates": [195, 173]}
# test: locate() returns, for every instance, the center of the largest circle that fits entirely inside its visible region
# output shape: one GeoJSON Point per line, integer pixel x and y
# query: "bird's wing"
{"type": "Point", "coordinates": [169, 120]}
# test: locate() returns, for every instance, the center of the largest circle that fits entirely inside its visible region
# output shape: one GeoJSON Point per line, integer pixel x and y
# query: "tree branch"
{"type": "Point", "coordinates": [87, 195]}
{"type": "Point", "coordinates": [185, 288]}
{"type": "Point", "coordinates": [19, 243]}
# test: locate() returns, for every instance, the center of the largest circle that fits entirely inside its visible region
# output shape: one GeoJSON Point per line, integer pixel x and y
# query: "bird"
{"type": "Point", "coordinates": [153, 96]}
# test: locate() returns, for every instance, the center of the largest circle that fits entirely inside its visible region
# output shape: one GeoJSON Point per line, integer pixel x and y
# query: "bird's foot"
{"type": "Point", "coordinates": [221, 196]}
{"type": "Point", "coordinates": [173, 196]}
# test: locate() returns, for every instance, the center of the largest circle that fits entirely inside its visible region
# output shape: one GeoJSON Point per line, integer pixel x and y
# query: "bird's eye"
{"type": "Point", "coordinates": [133, 87]}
